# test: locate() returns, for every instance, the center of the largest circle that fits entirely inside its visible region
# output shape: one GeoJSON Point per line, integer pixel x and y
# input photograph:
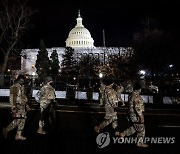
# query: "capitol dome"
{"type": "Point", "coordinates": [79, 36]}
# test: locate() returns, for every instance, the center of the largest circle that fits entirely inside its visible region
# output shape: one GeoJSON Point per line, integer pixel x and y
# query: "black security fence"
{"type": "Point", "coordinates": [71, 95]}
{"type": "Point", "coordinates": [87, 88]}
{"type": "Point", "coordinates": [165, 86]}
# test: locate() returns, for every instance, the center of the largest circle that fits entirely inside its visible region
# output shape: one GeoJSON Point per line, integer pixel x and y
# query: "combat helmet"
{"type": "Point", "coordinates": [48, 79]}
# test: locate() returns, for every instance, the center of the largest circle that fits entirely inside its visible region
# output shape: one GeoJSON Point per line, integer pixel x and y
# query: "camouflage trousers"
{"type": "Point", "coordinates": [17, 122]}
{"type": "Point", "coordinates": [106, 122]}
{"type": "Point", "coordinates": [45, 115]}
{"type": "Point", "coordinates": [139, 129]}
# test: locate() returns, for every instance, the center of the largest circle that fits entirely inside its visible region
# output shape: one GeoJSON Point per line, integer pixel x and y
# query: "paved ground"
{"type": "Point", "coordinates": [74, 134]}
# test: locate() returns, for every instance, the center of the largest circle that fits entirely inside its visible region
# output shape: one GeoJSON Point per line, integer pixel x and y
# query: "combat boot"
{"type": "Point", "coordinates": [119, 134]}
{"type": "Point", "coordinates": [41, 131]}
{"type": "Point", "coordinates": [19, 136]}
{"type": "Point", "coordinates": [97, 129]}
{"type": "Point", "coordinates": [142, 145]}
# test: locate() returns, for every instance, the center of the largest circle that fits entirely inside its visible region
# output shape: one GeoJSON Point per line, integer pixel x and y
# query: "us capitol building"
{"type": "Point", "coordinates": [80, 40]}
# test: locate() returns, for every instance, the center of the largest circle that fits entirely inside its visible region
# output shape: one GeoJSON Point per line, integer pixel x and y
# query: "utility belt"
{"type": "Point", "coordinates": [133, 119]}
{"type": "Point", "coordinates": [19, 117]}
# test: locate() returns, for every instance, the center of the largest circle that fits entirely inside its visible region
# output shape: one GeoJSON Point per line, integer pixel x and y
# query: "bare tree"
{"type": "Point", "coordinates": [117, 63]}
{"type": "Point", "coordinates": [14, 22]}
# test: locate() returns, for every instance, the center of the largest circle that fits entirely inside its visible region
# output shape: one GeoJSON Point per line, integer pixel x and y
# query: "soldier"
{"type": "Point", "coordinates": [152, 88]}
{"type": "Point", "coordinates": [18, 101]}
{"type": "Point", "coordinates": [111, 104]}
{"type": "Point", "coordinates": [119, 90]}
{"type": "Point", "coordinates": [136, 116]}
{"type": "Point", "coordinates": [47, 95]}
{"type": "Point", "coordinates": [102, 93]}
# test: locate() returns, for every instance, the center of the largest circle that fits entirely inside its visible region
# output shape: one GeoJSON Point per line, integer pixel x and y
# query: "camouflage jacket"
{"type": "Point", "coordinates": [119, 90]}
{"type": "Point", "coordinates": [102, 94]}
{"type": "Point", "coordinates": [136, 104]}
{"type": "Point", "coordinates": [111, 98]}
{"type": "Point", "coordinates": [18, 100]}
{"type": "Point", "coordinates": [111, 102]}
{"type": "Point", "coordinates": [47, 94]}
{"type": "Point", "coordinates": [102, 88]}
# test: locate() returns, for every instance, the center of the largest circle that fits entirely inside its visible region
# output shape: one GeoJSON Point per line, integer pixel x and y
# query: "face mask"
{"type": "Point", "coordinates": [21, 81]}
{"type": "Point", "coordinates": [51, 83]}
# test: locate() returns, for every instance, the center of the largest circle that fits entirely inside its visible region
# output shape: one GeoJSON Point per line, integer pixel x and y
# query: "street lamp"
{"type": "Point", "coordinates": [59, 70]}
{"type": "Point", "coordinates": [33, 78]}
{"type": "Point", "coordinates": [142, 72]}
{"type": "Point", "coordinates": [171, 65]}
{"type": "Point", "coordinates": [100, 75]}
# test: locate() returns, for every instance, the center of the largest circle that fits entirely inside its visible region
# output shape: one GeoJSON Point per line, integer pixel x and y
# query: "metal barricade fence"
{"type": "Point", "coordinates": [81, 89]}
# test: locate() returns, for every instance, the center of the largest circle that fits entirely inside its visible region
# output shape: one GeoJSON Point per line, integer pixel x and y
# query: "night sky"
{"type": "Point", "coordinates": [120, 20]}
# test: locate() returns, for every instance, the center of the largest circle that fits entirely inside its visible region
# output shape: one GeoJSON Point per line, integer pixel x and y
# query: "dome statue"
{"type": "Point", "coordinates": [79, 36]}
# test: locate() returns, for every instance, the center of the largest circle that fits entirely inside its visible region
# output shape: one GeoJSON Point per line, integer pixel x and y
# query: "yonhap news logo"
{"type": "Point", "coordinates": [151, 140]}
{"type": "Point", "coordinates": [103, 140]}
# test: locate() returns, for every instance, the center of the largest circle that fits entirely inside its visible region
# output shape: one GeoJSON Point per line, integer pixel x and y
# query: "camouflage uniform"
{"type": "Point", "coordinates": [18, 101]}
{"type": "Point", "coordinates": [136, 116]}
{"type": "Point", "coordinates": [152, 88]}
{"type": "Point", "coordinates": [102, 93]}
{"type": "Point", "coordinates": [111, 103]}
{"type": "Point", "coordinates": [47, 94]}
{"type": "Point", "coordinates": [119, 90]}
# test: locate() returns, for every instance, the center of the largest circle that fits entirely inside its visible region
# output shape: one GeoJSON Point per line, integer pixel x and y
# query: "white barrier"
{"type": "Point", "coordinates": [4, 92]}
{"type": "Point", "coordinates": [80, 95]}
{"type": "Point", "coordinates": [147, 99]}
{"type": "Point", "coordinates": [83, 95]}
{"type": "Point", "coordinates": [124, 97]}
{"type": "Point", "coordinates": [171, 100]}
{"type": "Point", "coordinates": [95, 96]}
{"type": "Point", "coordinates": [59, 94]}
